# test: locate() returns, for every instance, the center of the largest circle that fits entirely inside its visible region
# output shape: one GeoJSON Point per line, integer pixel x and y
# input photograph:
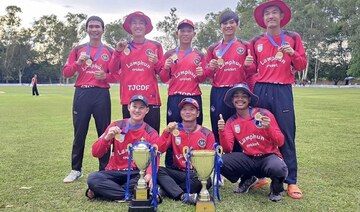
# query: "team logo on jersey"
{"type": "Point", "coordinates": [149, 52]}
{"type": "Point", "coordinates": [240, 50]}
{"type": "Point", "coordinates": [237, 128]}
{"type": "Point", "coordinates": [197, 61]}
{"type": "Point", "coordinates": [105, 57]}
{"type": "Point", "coordinates": [212, 108]}
{"type": "Point", "coordinates": [201, 142]}
{"type": "Point", "coordinates": [169, 112]}
{"type": "Point", "coordinates": [260, 47]}
{"type": "Point", "coordinates": [178, 140]}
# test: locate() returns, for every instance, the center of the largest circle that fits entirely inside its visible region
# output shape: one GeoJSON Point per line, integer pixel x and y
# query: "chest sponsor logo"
{"type": "Point", "coordinates": [260, 47]}
{"type": "Point", "coordinates": [201, 142]}
{"type": "Point", "coordinates": [237, 128]}
{"type": "Point", "coordinates": [177, 141]}
{"type": "Point", "coordinates": [240, 50]}
{"type": "Point", "coordinates": [149, 52]}
{"type": "Point", "coordinates": [105, 57]}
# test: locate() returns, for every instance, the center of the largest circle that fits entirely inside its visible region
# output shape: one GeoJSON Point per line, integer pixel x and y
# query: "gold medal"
{"type": "Point", "coordinates": [118, 136]}
{"type": "Point", "coordinates": [174, 58]}
{"type": "Point", "coordinates": [88, 62]}
{"type": "Point", "coordinates": [126, 51]}
{"type": "Point", "coordinates": [220, 61]}
{"type": "Point", "coordinates": [258, 116]}
{"type": "Point", "coordinates": [176, 132]}
{"type": "Point", "coordinates": [279, 55]}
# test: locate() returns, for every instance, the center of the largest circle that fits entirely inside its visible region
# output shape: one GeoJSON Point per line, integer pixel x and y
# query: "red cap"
{"type": "Point", "coordinates": [189, 101]}
{"type": "Point", "coordinates": [127, 22]}
{"type": "Point", "coordinates": [186, 21]}
{"type": "Point", "coordinates": [259, 12]}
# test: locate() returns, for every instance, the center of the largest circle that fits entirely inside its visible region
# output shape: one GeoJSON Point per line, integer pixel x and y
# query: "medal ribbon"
{"type": "Point", "coordinates": [222, 51]}
{"type": "Point", "coordinates": [128, 127]}
{"type": "Point", "coordinates": [131, 44]}
{"type": "Point", "coordinates": [186, 53]}
{"type": "Point", "coordinates": [188, 157]}
{"type": "Point", "coordinates": [217, 164]}
{"type": "Point", "coordinates": [273, 42]}
{"type": "Point", "coordinates": [181, 127]}
{"type": "Point", "coordinates": [97, 53]}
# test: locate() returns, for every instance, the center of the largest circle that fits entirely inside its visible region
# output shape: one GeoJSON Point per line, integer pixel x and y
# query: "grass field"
{"type": "Point", "coordinates": [37, 134]}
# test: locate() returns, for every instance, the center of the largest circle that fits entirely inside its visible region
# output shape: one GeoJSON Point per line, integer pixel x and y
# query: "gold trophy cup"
{"type": "Point", "coordinates": [203, 162]}
{"type": "Point", "coordinates": [141, 157]}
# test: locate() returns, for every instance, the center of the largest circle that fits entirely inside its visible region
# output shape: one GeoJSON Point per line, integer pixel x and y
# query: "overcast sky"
{"type": "Point", "coordinates": [111, 10]}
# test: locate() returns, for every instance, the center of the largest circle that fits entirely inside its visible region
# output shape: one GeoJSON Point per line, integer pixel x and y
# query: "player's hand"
{"type": "Point", "coordinates": [168, 62]}
{"type": "Point", "coordinates": [153, 57]}
{"type": "Point", "coordinates": [148, 180]}
{"type": "Point", "coordinates": [171, 127]}
{"type": "Point", "coordinates": [121, 45]}
{"type": "Point", "coordinates": [287, 49]}
{"type": "Point", "coordinates": [112, 132]}
{"type": "Point", "coordinates": [100, 75]}
{"type": "Point", "coordinates": [213, 64]}
{"type": "Point", "coordinates": [199, 70]}
{"type": "Point", "coordinates": [221, 123]}
{"type": "Point", "coordinates": [83, 56]}
{"type": "Point", "coordinates": [249, 59]}
{"type": "Point", "coordinates": [265, 122]}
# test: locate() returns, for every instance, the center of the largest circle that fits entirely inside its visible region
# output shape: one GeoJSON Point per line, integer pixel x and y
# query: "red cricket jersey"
{"type": "Point", "coordinates": [182, 76]}
{"type": "Point", "coordinates": [202, 138]}
{"type": "Point", "coordinates": [233, 71]}
{"type": "Point", "coordinates": [86, 72]}
{"type": "Point", "coordinates": [272, 70]}
{"type": "Point", "coordinates": [119, 157]}
{"type": "Point", "coordinates": [253, 140]}
{"type": "Point", "coordinates": [137, 73]}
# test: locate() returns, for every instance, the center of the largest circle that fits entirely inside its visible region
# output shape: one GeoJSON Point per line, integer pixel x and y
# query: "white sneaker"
{"type": "Point", "coordinates": [74, 175]}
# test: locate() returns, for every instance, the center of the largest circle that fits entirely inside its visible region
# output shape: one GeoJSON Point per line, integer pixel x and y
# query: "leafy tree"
{"type": "Point", "coordinates": [114, 32]}
{"type": "Point", "coordinates": [169, 27]}
{"type": "Point", "coordinates": [208, 32]}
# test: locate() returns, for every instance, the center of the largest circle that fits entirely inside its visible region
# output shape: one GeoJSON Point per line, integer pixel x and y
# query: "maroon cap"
{"type": "Point", "coordinates": [185, 22]}
{"type": "Point", "coordinates": [189, 101]}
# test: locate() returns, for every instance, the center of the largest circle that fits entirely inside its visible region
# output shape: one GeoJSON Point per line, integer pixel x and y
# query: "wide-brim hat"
{"type": "Point", "coordinates": [127, 22]}
{"type": "Point", "coordinates": [259, 12]}
{"type": "Point", "coordinates": [189, 101]}
{"type": "Point", "coordinates": [228, 99]}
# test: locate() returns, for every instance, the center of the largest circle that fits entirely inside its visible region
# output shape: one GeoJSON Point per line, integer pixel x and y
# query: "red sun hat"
{"type": "Point", "coordinates": [186, 22]}
{"type": "Point", "coordinates": [127, 22]}
{"type": "Point", "coordinates": [259, 12]}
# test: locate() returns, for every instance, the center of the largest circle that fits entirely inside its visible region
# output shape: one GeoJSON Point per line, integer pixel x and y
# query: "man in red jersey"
{"type": "Point", "coordinates": [110, 183]}
{"type": "Point", "coordinates": [183, 68]}
{"type": "Point", "coordinates": [138, 63]}
{"type": "Point", "coordinates": [172, 180]}
{"type": "Point", "coordinates": [278, 54]}
{"type": "Point", "coordinates": [90, 62]}
{"type": "Point", "coordinates": [227, 64]}
{"type": "Point", "coordinates": [258, 134]}
{"type": "Point", "coordinates": [34, 86]}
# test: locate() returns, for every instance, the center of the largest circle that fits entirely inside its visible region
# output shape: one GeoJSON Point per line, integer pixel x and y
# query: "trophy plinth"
{"type": "Point", "coordinates": [203, 162]}
{"type": "Point", "coordinates": [141, 201]}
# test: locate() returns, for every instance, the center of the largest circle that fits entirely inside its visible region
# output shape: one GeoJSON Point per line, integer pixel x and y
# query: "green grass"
{"type": "Point", "coordinates": [37, 134]}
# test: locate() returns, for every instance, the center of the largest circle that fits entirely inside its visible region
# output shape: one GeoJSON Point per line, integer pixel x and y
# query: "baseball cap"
{"type": "Point", "coordinates": [140, 98]}
{"type": "Point", "coordinates": [184, 23]}
{"type": "Point", "coordinates": [189, 101]}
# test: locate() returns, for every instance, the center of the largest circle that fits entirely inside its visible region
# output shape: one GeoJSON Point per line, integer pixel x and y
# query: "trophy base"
{"type": "Point", "coordinates": [141, 206]}
{"type": "Point", "coordinates": [205, 206]}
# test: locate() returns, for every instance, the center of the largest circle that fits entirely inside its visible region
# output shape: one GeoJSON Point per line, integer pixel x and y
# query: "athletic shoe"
{"type": "Point", "coordinates": [192, 199]}
{"type": "Point", "coordinates": [74, 175]}
{"type": "Point", "coordinates": [245, 185]}
{"type": "Point", "coordinates": [275, 197]}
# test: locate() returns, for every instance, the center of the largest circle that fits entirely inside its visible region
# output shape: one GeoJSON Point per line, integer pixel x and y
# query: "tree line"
{"type": "Point", "coordinates": [330, 30]}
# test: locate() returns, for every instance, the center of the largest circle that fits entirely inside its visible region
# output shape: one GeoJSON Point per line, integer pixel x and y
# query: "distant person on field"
{"type": "Point", "coordinates": [92, 97]}
{"type": "Point", "coordinates": [34, 86]}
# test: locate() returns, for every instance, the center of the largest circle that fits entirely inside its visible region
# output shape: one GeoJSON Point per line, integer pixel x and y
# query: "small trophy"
{"type": "Point", "coordinates": [203, 162]}
{"type": "Point", "coordinates": [141, 157]}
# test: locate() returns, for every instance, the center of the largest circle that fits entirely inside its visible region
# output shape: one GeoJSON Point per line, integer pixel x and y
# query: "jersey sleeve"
{"type": "Point", "coordinates": [274, 132]}
{"type": "Point", "coordinates": [71, 66]}
{"type": "Point", "coordinates": [115, 62]}
{"type": "Point", "coordinates": [101, 146]}
{"type": "Point", "coordinates": [298, 59]}
{"type": "Point", "coordinates": [226, 137]}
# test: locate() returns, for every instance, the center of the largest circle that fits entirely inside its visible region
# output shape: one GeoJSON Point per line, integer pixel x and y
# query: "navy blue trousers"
{"type": "Point", "coordinates": [89, 102]}
{"type": "Point", "coordinates": [279, 100]}
{"type": "Point", "coordinates": [111, 185]}
{"type": "Point", "coordinates": [173, 114]}
{"type": "Point", "coordinates": [237, 164]}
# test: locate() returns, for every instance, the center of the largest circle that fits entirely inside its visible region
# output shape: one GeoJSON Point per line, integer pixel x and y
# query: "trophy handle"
{"type": "Point", "coordinates": [129, 146]}
{"type": "Point", "coordinates": [219, 150]}
{"type": "Point", "coordinates": [185, 151]}
{"type": "Point", "coordinates": [156, 148]}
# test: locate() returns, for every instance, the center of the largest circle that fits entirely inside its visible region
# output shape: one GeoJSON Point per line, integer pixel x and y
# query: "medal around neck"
{"type": "Point", "coordinates": [174, 58]}
{"type": "Point", "coordinates": [88, 62]}
{"type": "Point", "coordinates": [176, 131]}
{"type": "Point", "coordinates": [127, 51]}
{"type": "Point", "coordinates": [258, 116]}
{"type": "Point", "coordinates": [279, 55]}
{"type": "Point", "coordinates": [220, 61]}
